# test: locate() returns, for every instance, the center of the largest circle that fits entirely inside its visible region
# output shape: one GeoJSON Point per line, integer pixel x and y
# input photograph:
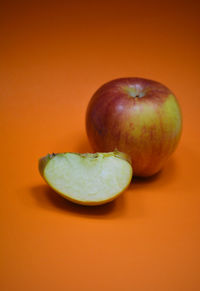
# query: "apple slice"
{"type": "Point", "coordinates": [88, 179]}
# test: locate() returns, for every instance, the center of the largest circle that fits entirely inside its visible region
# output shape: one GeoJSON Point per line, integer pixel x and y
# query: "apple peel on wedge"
{"type": "Point", "coordinates": [87, 179]}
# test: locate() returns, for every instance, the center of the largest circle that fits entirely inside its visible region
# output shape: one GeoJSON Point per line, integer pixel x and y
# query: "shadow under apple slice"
{"type": "Point", "coordinates": [48, 199]}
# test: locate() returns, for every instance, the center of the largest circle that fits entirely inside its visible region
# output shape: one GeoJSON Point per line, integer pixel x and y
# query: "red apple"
{"type": "Point", "coordinates": [139, 117]}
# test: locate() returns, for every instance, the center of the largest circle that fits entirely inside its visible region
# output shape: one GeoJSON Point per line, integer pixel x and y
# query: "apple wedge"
{"type": "Point", "coordinates": [87, 179]}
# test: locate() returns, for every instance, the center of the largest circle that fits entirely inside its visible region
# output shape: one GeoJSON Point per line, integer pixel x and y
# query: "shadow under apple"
{"type": "Point", "coordinates": [163, 177]}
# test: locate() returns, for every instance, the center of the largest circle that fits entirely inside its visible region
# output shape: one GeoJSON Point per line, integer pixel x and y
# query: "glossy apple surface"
{"type": "Point", "coordinates": [137, 116]}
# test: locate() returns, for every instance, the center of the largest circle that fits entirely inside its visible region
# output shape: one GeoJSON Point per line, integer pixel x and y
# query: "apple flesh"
{"type": "Point", "coordinates": [88, 179]}
{"type": "Point", "coordinates": [137, 116]}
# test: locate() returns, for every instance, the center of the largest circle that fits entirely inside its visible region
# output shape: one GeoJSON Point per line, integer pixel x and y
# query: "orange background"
{"type": "Point", "coordinates": [54, 55]}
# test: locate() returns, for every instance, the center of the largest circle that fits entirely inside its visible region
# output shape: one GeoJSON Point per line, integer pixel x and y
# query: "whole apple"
{"type": "Point", "coordinates": [137, 116]}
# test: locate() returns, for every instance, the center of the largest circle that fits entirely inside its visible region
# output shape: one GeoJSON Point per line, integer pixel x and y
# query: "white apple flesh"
{"type": "Point", "coordinates": [88, 179]}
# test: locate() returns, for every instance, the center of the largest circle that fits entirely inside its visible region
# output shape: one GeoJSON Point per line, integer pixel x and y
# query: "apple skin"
{"type": "Point", "coordinates": [137, 116]}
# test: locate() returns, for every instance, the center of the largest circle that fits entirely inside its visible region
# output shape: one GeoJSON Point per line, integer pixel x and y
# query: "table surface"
{"type": "Point", "coordinates": [54, 55]}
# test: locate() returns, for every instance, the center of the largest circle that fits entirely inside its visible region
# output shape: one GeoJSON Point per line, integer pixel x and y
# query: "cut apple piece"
{"type": "Point", "coordinates": [88, 179]}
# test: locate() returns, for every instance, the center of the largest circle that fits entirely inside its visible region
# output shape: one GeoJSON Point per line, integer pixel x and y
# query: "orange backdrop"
{"type": "Point", "coordinates": [54, 55]}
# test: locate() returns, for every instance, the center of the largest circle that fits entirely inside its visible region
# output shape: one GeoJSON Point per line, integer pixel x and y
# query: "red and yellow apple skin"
{"type": "Point", "coordinates": [137, 116]}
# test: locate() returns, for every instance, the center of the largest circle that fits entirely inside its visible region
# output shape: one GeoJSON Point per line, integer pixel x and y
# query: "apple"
{"type": "Point", "coordinates": [137, 116]}
{"type": "Point", "coordinates": [88, 179]}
